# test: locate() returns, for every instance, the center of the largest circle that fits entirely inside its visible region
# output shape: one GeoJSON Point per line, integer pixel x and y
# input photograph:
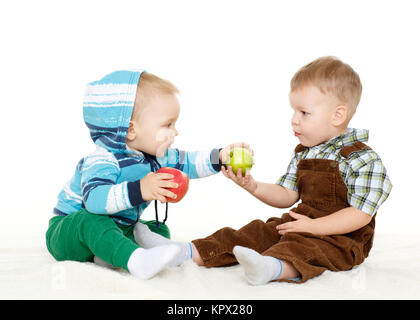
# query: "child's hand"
{"type": "Point", "coordinates": [224, 152]}
{"type": "Point", "coordinates": [301, 223]}
{"type": "Point", "coordinates": [247, 182]}
{"type": "Point", "coordinates": [153, 186]}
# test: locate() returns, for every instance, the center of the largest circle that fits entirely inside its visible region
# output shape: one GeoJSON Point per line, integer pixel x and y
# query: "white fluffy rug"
{"type": "Point", "coordinates": [27, 271]}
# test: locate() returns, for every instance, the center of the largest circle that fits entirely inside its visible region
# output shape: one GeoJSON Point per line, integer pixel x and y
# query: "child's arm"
{"type": "Point", "coordinates": [368, 187]}
{"type": "Point", "coordinates": [275, 195]}
{"type": "Point", "coordinates": [269, 193]}
{"type": "Point", "coordinates": [340, 222]}
{"type": "Point", "coordinates": [100, 191]}
{"type": "Point", "coordinates": [196, 164]}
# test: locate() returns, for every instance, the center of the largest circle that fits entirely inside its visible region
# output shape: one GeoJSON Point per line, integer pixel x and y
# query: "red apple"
{"type": "Point", "coordinates": [180, 178]}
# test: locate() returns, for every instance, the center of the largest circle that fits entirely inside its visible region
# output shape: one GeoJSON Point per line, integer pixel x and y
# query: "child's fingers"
{"type": "Point", "coordinates": [224, 172]}
{"type": "Point", "coordinates": [230, 172]}
{"type": "Point", "coordinates": [165, 176]}
{"type": "Point", "coordinates": [237, 178]}
{"type": "Point", "coordinates": [239, 145]}
{"type": "Point", "coordinates": [284, 226]}
{"type": "Point", "coordinates": [168, 184]}
{"type": "Point", "coordinates": [283, 230]}
{"type": "Point", "coordinates": [233, 145]}
{"type": "Point", "coordinates": [162, 199]}
{"type": "Point", "coordinates": [166, 193]}
{"type": "Point", "coordinates": [296, 216]}
{"type": "Point", "coordinates": [239, 173]}
{"type": "Point", "coordinates": [246, 146]}
{"type": "Point", "coordinates": [234, 177]}
{"type": "Point", "coordinates": [247, 177]}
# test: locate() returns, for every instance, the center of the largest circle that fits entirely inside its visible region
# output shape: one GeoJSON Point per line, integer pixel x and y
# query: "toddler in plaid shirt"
{"type": "Point", "coordinates": [340, 181]}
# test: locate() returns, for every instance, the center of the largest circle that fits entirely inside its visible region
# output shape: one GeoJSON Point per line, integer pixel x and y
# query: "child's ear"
{"type": "Point", "coordinates": [131, 132]}
{"type": "Point", "coordinates": [340, 115]}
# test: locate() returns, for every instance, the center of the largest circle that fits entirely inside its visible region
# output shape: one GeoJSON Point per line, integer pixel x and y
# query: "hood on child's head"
{"type": "Point", "coordinates": [107, 108]}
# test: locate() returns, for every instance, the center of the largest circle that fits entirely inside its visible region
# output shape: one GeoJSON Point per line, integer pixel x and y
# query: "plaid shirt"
{"type": "Point", "coordinates": [363, 172]}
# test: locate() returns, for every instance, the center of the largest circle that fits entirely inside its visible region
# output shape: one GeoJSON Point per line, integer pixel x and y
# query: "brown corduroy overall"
{"type": "Point", "coordinates": [322, 191]}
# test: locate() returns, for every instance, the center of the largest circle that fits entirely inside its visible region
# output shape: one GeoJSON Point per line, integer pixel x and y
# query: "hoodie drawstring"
{"type": "Point", "coordinates": [154, 166]}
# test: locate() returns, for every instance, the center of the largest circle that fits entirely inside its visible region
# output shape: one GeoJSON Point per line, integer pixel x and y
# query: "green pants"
{"type": "Point", "coordinates": [82, 235]}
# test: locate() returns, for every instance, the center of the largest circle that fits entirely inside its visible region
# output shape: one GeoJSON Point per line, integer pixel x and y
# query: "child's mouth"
{"type": "Point", "coordinates": [297, 134]}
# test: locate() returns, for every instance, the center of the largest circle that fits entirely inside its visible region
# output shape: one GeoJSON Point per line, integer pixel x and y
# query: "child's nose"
{"type": "Point", "coordinates": [295, 120]}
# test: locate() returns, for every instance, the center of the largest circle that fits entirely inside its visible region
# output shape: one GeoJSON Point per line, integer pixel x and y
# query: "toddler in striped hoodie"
{"type": "Point", "coordinates": [131, 116]}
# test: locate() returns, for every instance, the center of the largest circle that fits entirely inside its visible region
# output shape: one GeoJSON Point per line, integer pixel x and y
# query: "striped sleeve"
{"type": "Point", "coordinates": [100, 191]}
{"type": "Point", "coordinates": [196, 164]}
{"type": "Point", "coordinates": [368, 183]}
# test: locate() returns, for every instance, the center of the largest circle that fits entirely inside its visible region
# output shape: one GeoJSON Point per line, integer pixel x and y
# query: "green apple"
{"type": "Point", "coordinates": [239, 158]}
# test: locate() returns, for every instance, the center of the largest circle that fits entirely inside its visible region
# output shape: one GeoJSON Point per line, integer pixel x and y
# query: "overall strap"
{"type": "Point", "coordinates": [345, 151]}
{"type": "Point", "coordinates": [299, 148]}
{"type": "Point", "coordinates": [357, 146]}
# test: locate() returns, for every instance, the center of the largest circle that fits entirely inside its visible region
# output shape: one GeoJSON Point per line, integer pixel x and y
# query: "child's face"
{"type": "Point", "coordinates": [314, 115]}
{"type": "Point", "coordinates": [153, 131]}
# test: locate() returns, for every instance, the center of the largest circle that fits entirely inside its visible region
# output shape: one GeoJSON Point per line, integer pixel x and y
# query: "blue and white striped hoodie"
{"type": "Point", "coordinates": [107, 181]}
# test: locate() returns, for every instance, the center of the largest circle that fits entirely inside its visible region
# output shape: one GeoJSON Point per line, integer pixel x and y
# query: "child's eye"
{"type": "Point", "coordinates": [304, 113]}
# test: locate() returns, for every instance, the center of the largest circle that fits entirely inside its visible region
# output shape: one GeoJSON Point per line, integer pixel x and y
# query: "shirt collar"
{"type": "Point", "coordinates": [354, 135]}
{"type": "Point", "coordinates": [346, 139]}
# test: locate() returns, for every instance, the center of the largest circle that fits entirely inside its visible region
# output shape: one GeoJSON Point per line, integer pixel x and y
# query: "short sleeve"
{"type": "Point", "coordinates": [368, 183]}
{"type": "Point", "coordinates": [289, 179]}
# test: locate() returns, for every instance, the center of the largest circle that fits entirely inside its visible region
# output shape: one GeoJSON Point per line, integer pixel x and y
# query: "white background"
{"type": "Point", "coordinates": [232, 61]}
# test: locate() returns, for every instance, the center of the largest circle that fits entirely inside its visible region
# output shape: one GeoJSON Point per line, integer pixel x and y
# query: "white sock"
{"type": "Point", "coordinates": [145, 263]}
{"type": "Point", "coordinates": [146, 238]}
{"type": "Point", "coordinates": [258, 269]}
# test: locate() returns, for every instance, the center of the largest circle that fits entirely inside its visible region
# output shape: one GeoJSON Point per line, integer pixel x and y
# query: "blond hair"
{"type": "Point", "coordinates": [331, 76]}
{"type": "Point", "coordinates": [150, 85]}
